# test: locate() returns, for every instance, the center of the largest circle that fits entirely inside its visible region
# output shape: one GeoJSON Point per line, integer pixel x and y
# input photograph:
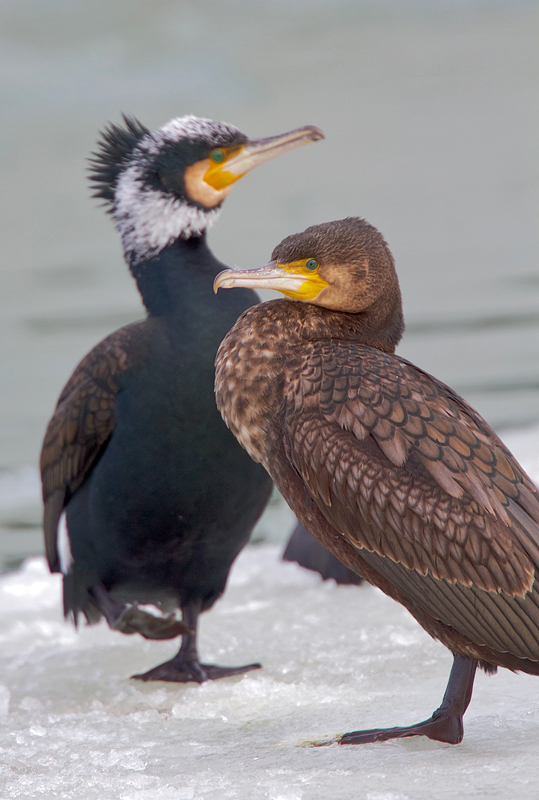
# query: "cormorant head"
{"type": "Point", "coordinates": [169, 184]}
{"type": "Point", "coordinates": [343, 265]}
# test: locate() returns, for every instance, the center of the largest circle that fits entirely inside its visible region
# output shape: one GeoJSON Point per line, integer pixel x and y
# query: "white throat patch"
{"type": "Point", "coordinates": [148, 220]}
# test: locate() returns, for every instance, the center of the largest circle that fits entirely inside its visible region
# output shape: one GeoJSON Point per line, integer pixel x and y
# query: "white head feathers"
{"type": "Point", "coordinates": [149, 217]}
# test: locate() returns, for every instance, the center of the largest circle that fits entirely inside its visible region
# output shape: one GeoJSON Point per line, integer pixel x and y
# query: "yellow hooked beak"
{"type": "Point", "coordinates": [234, 162]}
{"type": "Point", "coordinates": [293, 280]}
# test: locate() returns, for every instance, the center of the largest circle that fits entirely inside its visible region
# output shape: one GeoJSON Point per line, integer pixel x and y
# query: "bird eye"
{"type": "Point", "coordinates": [311, 264]}
{"type": "Point", "coordinates": [217, 155]}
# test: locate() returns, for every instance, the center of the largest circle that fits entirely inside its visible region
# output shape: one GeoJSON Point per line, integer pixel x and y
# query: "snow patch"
{"type": "Point", "coordinates": [334, 659]}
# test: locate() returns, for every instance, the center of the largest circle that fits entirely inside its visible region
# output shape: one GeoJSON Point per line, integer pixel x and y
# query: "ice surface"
{"type": "Point", "coordinates": [72, 724]}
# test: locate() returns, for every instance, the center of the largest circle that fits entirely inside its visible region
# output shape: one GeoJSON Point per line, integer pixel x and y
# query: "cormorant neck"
{"type": "Point", "coordinates": [380, 326]}
{"type": "Point", "coordinates": [165, 279]}
{"type": "Point", "coordinates": [149, 220]}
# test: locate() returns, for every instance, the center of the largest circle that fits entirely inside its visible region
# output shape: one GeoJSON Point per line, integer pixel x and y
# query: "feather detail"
{"type": "Point", "coordinates": [115, 150]}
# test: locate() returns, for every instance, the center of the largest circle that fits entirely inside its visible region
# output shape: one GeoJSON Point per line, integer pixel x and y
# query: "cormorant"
{"type": "Point", "coordinates": [388, 467]}
{"type": "Point", "coordinates": [307, 551]}
{"type": "Point", "coordinates": [148, 497]}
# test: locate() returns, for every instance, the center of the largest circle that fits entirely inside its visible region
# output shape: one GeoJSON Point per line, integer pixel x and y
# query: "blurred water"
{"type": "Point", "coordinates": [431, 117]}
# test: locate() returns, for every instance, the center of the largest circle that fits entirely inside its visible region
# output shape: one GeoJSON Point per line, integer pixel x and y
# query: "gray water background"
{"type": "Point", "coordinates": [430, 111]}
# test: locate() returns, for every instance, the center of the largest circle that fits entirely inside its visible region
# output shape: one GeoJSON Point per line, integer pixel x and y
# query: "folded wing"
{"type": "Point", "coordinates": [81, 426]}
{"type": "Point", "coordinates": [416, 480]}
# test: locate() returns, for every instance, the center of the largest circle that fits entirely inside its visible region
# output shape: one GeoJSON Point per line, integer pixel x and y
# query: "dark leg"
{"type": "Point", "coordinates": [186, 665]}
{"type": "Point", "coordinates": [445, 725]}
{"type": "Point", "coordinates": [130, 619]}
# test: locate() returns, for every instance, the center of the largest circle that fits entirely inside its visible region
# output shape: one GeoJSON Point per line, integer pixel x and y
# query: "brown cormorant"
{"type": "Point", "coordinates": [388, 467]}
{"type": "Point", "coordinates": [148, 497]}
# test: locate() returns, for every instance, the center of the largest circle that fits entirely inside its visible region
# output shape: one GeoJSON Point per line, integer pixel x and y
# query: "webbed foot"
{"type": "Point", "coordinates": [131, 619]}
{"type": "Point", "coordinates": [186, 665]}
{"type": "Point", "coordinates": [134, 620]}
{"type": "Point", "coordinates": [445, 725]}
{"type": "Point", "coordinates": [440, 727]}
{"type": "Point", "coordinates": [181, 671]}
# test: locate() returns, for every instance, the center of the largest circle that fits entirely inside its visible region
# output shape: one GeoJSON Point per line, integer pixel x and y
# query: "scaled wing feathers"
{"type": "Point", "coordinates": [404, 468]}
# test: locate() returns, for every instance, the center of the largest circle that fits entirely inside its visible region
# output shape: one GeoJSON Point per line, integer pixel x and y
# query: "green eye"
{"type": "Point", "coordinates": [218, 155]}
{"type": "Point", "coordinates": [311, 264]}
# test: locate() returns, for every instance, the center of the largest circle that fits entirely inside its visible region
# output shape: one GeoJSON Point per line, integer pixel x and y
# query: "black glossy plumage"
{"type": "Point", "coordinates": [171, 498]}
{"type": "Point", "coordinates": [158, 496]}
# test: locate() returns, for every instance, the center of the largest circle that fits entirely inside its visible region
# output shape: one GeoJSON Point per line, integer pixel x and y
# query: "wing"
{"type": "Point", "coordinates": [82, 424]}
{"type": "Point", "coordinates": [310, 554]}
{"type": "Point", "coordinates": [415, 479]}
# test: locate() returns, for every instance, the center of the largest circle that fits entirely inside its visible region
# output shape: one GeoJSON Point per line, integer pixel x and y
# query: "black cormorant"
{"type": "Point", "coordinates": [148, 497]}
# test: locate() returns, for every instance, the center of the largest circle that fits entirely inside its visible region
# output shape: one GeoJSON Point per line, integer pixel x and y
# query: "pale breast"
{"type": "Point", "coordinates": [248, 373]}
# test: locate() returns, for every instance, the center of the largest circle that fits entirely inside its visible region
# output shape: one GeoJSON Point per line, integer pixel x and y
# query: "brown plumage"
{"type": "Point", "coordinates": [82, 424]}
{"type": "Point", "coordinates": [387, 466]}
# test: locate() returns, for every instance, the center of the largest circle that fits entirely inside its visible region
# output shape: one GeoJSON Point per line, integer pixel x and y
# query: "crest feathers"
{"type": "Point", "coordinates": [116, 146]}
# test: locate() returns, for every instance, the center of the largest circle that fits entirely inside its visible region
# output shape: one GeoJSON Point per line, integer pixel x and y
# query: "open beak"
{"type": "Point", "coordinates": [295, 285]}
{"type": "Point", "coordinates": [256, 152]}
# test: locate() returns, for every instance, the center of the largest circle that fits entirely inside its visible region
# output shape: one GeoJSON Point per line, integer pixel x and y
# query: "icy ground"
{"type": "Point", "coordinates": [72, 724]}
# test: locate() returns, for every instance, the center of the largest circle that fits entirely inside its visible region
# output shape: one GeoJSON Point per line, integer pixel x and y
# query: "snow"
{"type": "Point", "coordinates": [72, 724]}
